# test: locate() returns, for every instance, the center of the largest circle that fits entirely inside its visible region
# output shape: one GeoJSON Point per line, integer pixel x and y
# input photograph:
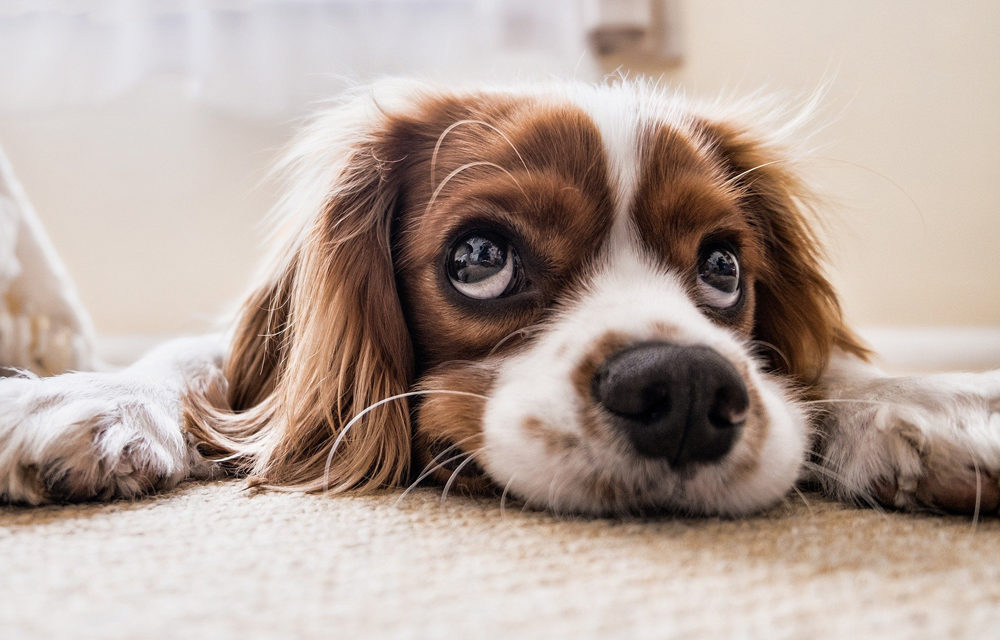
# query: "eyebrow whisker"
{"type": "Point", "coordinates": [451, 127]}
{"type": "Point", "coordinates": [731, 182]}
{"type": "Point", "coordinates": [469, 165]}
{"type": "Point", "coordinates": [510, 336]}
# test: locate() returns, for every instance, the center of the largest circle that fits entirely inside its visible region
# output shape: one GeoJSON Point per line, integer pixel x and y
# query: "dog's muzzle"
{"type": "Point", "coordinates": [683, 404]}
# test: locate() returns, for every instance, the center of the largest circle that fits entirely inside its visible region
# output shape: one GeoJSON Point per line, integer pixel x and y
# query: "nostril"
{"type": "Point", "coordinates": [726, 420]}
{"type": "Point", "coordinates": [730, 406]}
{"type": "Point", "coordinates": [632, 388]}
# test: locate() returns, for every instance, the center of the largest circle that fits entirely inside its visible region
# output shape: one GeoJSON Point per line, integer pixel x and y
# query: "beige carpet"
{"type": "Point", "coordinates": [209, 561]}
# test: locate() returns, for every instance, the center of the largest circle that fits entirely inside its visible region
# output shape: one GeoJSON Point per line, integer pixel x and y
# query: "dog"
{"type": "Point", "coordinates": [596, 299]}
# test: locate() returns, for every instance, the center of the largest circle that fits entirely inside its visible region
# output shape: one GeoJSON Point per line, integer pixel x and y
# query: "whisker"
{"type": "Point", "coordinates": [469, 165]}
{"type": "Point", "coordinates": [230, 458]}
{"type": "Point", "coordinates": [839, 479]}
{"type": "Point", "coordinates": [503, 498]}
{"type": "Point", "coordinates": [433, 466]}
{"type": "Point", "coordinates": [732, 181]}
{"type": "Point", "coordinates": [825, 458]}
{"type": "Point", "coordinates": [830, 473]}
{"type": "Point", "coordinates": [887, 403]}
{"type": "Point", "coordinates": [802, 496]}
{"type": "Point", "coordinates": [453, 476]}
{"type": "Point", "coordinates": [452, 446]}
{"type": "Point", "coordinates": [551, 491]}
{"type": "Point", "coordinates": [556, 488]}
{"type": "Point", "coordinates": [979, 482]}
{"type": "Point", "coordinates": [511, 336]}
{"type": "Point", "coordinates": [353, 421]}
{"type": "Point", "coordinates": [413, 485]}
{"type": "Point", "coordinates": [444, 134]}
{"type": "Point", "coordinates": [776, 350]}
{"type": "Point", "coordinates": [979, 492]}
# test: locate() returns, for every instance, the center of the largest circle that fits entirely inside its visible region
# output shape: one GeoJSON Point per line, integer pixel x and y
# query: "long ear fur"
{"type": "Point", "coordinates": [324, 337]}
{"type": "Point", "coordinates": [797, 311]}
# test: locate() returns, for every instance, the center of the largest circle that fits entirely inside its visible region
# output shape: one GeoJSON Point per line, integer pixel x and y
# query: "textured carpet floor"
{"type": "Point", "coordinates": [209, 561]}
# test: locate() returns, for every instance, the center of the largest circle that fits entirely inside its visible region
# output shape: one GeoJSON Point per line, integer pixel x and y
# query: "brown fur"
{"type": "Point", "coordinates": [555, 204]}
{"type": "Point", "coordinates": [796, 310]}
{"type": "Point", "coordinates": [449, 425]}
{"type": "Point", "coordinates": [318, 345]}
{"type": "Point", "coordinates": [356, 312]}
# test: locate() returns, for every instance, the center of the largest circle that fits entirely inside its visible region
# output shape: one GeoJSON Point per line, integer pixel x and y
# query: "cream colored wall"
{"type": "Point", "coordinates": [153, 201]}
{"type": "Point", "coordinates": [913, 144]}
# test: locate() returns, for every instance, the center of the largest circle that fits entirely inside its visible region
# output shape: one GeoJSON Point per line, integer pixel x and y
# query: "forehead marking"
{"type": "Point", "coordinates": [618, 121]}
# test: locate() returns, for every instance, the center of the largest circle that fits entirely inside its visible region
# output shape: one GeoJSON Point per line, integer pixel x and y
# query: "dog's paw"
{"type": "Point", "coordinates": [915, 442]}
{"type": "Point", "coordinates": [85, 436]}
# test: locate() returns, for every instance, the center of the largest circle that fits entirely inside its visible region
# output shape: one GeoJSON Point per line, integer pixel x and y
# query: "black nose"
{"type": "Point", "coordinates": [682, 403]}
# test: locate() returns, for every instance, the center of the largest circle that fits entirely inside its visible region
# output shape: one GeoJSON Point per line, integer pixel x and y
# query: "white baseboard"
{"type": "Point", "coordinates": [911, 349]}
{"type": "Point", "coordinates": [936, 348]}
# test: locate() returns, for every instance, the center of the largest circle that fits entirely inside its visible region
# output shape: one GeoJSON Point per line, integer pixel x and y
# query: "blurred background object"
{"type": "Point", "coordinates": [143, 130]}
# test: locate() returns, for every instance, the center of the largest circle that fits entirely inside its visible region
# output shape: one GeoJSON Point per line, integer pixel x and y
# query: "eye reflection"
{"type": "Point", "coordinates": [481, 266]}
{"type": "Point", "coordinates": [719, 278]}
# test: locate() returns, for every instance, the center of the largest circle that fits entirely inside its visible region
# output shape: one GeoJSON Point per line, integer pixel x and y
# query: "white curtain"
{"type": "Point", "coordinates": [273, 57]}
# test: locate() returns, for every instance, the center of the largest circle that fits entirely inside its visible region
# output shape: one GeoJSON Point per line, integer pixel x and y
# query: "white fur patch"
{"type": "Point", "coordinates": [103, 435]}
{"type": "Point", "coordinates": [628, 295]}
{"type": "Point", "coordinates": [910, 440]}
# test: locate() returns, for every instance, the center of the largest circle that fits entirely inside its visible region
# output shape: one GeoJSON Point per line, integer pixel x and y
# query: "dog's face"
{"type": "Point", "coordinates": [602, 296]}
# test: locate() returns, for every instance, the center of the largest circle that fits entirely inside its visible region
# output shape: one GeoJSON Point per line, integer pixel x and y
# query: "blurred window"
{"type": "Point", "coordinates": [273, 57]}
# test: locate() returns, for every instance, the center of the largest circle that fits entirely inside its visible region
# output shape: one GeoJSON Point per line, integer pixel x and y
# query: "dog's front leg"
{"type": "Point", "coordinates": [81, 436]}
{"type": "Point", "coordinates": [909, 441]}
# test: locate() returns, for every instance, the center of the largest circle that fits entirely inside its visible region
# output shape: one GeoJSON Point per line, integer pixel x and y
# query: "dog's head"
{"type": "Point", "coordinates": [602, 297]}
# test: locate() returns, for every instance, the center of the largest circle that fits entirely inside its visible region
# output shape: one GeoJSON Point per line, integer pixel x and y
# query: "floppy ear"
{"type": "Point", "coordinates": [797, 310]}
{"type": "Point", "coordinates": [324, 337]}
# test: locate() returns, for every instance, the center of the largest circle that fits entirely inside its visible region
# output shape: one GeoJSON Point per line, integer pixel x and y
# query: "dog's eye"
{"type": "Point", "coordinates": [481, 266]}
{"type": "Point", "coordinates": [719, 278]}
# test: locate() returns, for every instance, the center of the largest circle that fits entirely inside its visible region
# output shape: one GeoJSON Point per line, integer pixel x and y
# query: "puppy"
{"type": "Point", "coordinates": [597, 299]}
